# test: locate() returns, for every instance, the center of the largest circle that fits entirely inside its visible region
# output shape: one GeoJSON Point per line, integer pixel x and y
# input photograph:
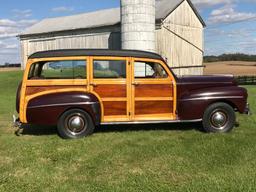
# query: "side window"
{"type": "Point", "coordinates": [149, 70]}
{"type": "Point", "coordinates": [109, 69]}
{"type": "Point", "coordinates": [58, 70]}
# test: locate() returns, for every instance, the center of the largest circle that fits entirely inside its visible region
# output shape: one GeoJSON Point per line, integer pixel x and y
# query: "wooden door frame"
{"type": "Point", "coordinates": [169, 80]}
{"type": "Point", "coordinates": [106, 81]}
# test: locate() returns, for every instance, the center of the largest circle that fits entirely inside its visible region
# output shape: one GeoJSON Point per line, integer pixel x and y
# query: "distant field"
{"type": "Point", "coordinates": [237, 68]}
{"type": "Point", "coordinates": [10, 69]}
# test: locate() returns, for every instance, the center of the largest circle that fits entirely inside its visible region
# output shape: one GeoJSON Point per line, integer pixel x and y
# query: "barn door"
{"type": "Point", "coordinates": [153, 91]}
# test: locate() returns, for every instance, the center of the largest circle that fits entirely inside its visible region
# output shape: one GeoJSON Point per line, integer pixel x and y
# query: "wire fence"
{"type": "Point", "coordinates": [246, 80]}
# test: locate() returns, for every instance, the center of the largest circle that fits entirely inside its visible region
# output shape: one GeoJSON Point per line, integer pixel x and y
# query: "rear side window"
{"type": "Point", "coordinates": [109, 69]}
{"type": "Point", "coordinates": [58, 70]}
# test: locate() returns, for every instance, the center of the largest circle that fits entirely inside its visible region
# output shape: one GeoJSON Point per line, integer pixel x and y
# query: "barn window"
{"type": "Point", "coordinates": [109, 69]}
{"type": "Point", "coordinates": [149, 70]}
{"type": "Point", "coordinates": [58, 70]}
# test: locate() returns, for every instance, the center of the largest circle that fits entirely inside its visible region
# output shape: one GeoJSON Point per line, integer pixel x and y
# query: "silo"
{"type": "Point", "coordinates": [138, 24]}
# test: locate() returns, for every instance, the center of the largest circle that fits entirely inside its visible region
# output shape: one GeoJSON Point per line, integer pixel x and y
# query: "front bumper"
{"type": "Point", "coordinates": [16, 121]}
{"type": "Point", "coordinates": [247, 110]}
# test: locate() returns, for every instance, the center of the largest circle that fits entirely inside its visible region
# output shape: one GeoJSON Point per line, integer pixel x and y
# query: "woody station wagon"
{"type": "Point", "coordinates": [80, 89]}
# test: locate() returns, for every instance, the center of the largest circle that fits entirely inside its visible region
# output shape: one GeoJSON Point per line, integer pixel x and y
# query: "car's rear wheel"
{"type": "Point", "coordinates": [74, 124]}
{"type": "Point", "coordinates": [219, 118]}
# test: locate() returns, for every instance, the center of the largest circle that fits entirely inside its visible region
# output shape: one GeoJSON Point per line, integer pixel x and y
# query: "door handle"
{"type": "Point", "coordinates": [93, 84]}
{"type": "Point", "coordinates": [135, 84]}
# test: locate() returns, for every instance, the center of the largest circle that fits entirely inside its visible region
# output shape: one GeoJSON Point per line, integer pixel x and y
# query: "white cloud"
{"type": "Point", "coordinates": [201, 4]}
{"type": "Point", "coordinates": [62, 9]}
{"type": "Point", "coordinates": [26, 23]}
{"type": "Point", "coordinates": [9, 44]}
{"type": "Point", "coordinates": [7, 23]}
{"type": "Point", "coordinates": [22, 13]}
{"type": "Point", "coordinates": [227, 14]}
{"type": "Point", "coordinates": [230, 40]}
{"type": "Point", "coordinates": [10, 28]}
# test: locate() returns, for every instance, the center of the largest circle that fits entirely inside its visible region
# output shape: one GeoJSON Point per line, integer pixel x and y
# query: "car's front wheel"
{"type": "Point", "coordinates": [219, 118]}
{"type": "Point", "coordinates": [74, 124]}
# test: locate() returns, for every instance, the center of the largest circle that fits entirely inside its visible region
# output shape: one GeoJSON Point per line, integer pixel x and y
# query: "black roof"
{"type": "Point", "coordinates": [95, 52]}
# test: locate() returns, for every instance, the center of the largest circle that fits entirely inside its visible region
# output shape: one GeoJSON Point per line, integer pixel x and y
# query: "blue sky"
{"type": "Point", "coordinates": [231, 24]}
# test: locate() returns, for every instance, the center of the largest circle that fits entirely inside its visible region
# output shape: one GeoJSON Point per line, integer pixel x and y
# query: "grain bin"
{"type": "Point", "coordinates": [138, 25]}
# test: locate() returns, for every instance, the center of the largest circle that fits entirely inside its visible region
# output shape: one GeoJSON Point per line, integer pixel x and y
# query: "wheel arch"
{"type": "Point", "coordinates": [51, 106]}
{"type": "Point", "coordinates": [226, 101]}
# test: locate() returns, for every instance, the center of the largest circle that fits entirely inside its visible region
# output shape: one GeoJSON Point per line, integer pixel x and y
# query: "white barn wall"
{"type": "Point", "coordinates": [109, 38]}
{"type": "Point", "coordinates": [180, 40]}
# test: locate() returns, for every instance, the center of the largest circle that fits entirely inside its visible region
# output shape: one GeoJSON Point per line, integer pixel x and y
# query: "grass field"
{"type": "Point", "coordinates": [237, 68]}
{"type": "Point", "coordinates": [165, 157]}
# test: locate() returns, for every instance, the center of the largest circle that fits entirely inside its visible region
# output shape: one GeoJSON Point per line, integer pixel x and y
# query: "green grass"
{"type": "Point", "coordinates": [125, 158]}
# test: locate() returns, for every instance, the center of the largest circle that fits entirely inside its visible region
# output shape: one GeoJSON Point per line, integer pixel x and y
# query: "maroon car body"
{"type": "Point", "coordinates": [198, 92]}
{"type": "Point", "coordinates": [210, 99]}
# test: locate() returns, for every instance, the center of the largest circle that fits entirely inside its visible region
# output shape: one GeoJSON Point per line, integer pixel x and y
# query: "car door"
{"type": "Point", "coordinates": [110, 83]}
{"type": "Point", "coordinates": [153, 91]}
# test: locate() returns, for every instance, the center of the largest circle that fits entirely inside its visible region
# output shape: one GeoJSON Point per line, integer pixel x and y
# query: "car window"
{"type": "Point", "coordinates": [109, 69]}
{"type": "Point", "coordinates": [58, 70]}
{"type": "Point", "coordinates": [149, 70]}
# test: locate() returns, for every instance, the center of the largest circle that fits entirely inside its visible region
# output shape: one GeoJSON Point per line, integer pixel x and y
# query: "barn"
{"type": "Point", "coordinates": [178, 34]}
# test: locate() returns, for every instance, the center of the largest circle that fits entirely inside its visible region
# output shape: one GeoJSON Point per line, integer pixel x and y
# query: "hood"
{"type": "Point", "coordinates": [190, 83]}
{"type": "Point", "coordinates": [215, 80]}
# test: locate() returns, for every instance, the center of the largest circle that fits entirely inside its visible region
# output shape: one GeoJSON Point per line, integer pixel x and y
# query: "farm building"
{"type": "Point", "coordinates": [178, 33]}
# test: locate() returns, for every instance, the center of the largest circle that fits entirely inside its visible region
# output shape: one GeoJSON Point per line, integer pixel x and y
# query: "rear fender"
{"type": "Point", "coordinates": [46, 109]}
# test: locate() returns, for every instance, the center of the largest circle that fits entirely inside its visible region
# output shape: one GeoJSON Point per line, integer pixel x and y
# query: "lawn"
{"type": "Point", "coordinates": [168, 157]}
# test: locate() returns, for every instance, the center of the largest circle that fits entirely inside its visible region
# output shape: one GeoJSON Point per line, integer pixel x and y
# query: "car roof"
{"type": "Point", "coordinates": [95, 52]}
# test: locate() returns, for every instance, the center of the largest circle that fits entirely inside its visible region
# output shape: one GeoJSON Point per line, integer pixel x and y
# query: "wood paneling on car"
{"type": "Point", "coordinates": [114, 108]}
{"type": "Point", "coordinates": [110, 90]}
{"type": "Point", "coordinates": [153, 107]}
{"type": "Point", "coordinates": [147, 90]}
{"type": "Point", "coordinates": [33, 90]}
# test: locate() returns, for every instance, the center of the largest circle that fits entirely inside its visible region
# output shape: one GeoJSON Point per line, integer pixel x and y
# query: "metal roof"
{"type": "Point", "coordinates": [95, 52]}
{"type": "Point", "coordinates": [101, 18]}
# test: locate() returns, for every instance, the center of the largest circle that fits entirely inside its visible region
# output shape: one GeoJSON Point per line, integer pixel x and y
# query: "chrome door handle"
{"type": "Point", "coordinates": [135, 84]}
{"type": "Point", "coordinates": [93, 84]}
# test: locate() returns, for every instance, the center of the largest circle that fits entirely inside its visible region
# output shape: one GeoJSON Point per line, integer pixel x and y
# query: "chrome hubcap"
{"type": "Point", "coordinates": [76, 124]}
{"type": "Point", "coordinates": [219, 120]}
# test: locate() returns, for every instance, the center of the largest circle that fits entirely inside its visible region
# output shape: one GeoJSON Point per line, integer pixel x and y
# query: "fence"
{"type": "Point", "coordinates": [246, 80]}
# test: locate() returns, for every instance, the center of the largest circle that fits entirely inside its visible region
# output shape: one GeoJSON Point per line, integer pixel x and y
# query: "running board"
{"type": "Point", "coordinates": [151, 122]}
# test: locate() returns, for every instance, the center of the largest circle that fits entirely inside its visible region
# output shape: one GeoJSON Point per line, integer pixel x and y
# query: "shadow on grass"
{"type": "Point", "coordinates": [150, 127]}
{"type": "Point", "coordinates": [52, 130]}
{"type": "Point", "coordinates": [38, 130]}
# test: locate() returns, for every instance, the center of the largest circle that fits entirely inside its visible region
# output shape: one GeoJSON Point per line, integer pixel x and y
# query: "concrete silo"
{"type": "Point", "coordinates": [138, 24]}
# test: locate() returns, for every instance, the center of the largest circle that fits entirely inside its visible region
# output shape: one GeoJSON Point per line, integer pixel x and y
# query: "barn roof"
{"type": "Point", "coordinates": [101, 18]}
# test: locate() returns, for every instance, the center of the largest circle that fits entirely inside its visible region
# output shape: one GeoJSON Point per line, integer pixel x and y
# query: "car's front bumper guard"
{"type": "Point", "coordinates": [16, 122]}
{"type": "Point", "coordinates": [247, 110]}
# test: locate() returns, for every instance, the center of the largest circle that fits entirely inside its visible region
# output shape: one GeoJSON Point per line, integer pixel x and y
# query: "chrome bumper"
{"type": "Point", "coordinates": [16, 122]}
{"type": "Point", "coordinates": [247, 110]}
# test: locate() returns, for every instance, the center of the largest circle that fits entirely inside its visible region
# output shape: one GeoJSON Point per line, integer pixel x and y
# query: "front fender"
{"type": "Point", "coordinates": [46, 109]}
{"type": "Point", "coordinates": [193, 104]}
